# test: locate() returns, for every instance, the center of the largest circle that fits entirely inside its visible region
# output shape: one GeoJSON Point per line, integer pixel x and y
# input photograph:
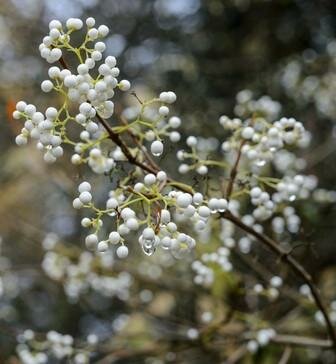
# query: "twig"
{"type": "Point", "coordinates": [294, 340]}
{"type": "Point", "coordinates": [117, 140]}
{"type": "Point", "coordinates": [286, 355]}
{"type": "Point", "coordinates": [234, 170]}
{"type": "Point", "coordinates": [236, 355]}
{"type": "Point", "coordinates": [141, 147]}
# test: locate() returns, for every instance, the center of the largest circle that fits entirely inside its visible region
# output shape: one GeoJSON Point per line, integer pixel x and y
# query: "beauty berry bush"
{"type": "Point", "coordinates": [192, 201]}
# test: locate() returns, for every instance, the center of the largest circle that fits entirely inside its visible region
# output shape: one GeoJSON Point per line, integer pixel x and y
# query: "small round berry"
{"type": "Point", "coordinates": [102, 246]}
{"type": "Point", "coordinates": [46, 86]}
{"type": "Point", "coordinates": [175, 136]}
{"type": "Point", "coordinates": [112, 203]}
{"type": "Point", "coordinates": [171, 97]}
{"type": "Point", "coordinates": [197, 198]}
{"type": "Point", "coordinates": [111, 61]}
{"type": "Point", "coordinates": [114, 237]}
{"type": "Point", "coordinates": [85, 197]}
{"type": "Point", "coordinates": [21, 106]}
{"type": "Point", "coordinates": [148, 234]}
{"type": "Point", "coordinates": [192, 141]}
{"type": "Point", "coordinates": [77, 203]}
{"type": "Point", "coordinates": [55, 24]}
{"type": "Point", "coordinates": [248, 132]}
{"type": "Point", "coordinates": [164, 110]}
{"type": "Point", "coordinates": [91, 241]}
{"type": "Point", "coordinates": [124, 85]}
{"type": "Point", "coordinates": [86, 222]}
{"type": "Point", "coordinates": [103, 30]}
{"type": "Point", "coordinates": [76, 159]}
{"type": "Point", "coordinates": [174, 122]}
{"type": "Point", "coordinates": [184, 200]}
{"type": "Point", "coordinates": [149, 179]}
{"type": "Point", "coordinates": [122, 252]}
{"type": "Point", "coordinates": [204, 211]}
{"type": "Point", "coordinates": [202, 170]}
{"type": "Point", "coordinates": [161, 176]}
{"type": "Point", "coordinates": [84, 186]}
{"type": "Point", "coordinates": [157, 148]}
{"type": "Point", "coordinates": [21, 140]}
{"type": "Point", "coordinates": [132, 223]}
{"type": "Point", "coordinates": [51, 113]}
{"type": "Point", "coordinates": [90, 22]}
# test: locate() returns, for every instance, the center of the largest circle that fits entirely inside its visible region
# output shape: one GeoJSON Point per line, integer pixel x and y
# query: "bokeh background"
{"type": "Point", "coordinates": [204, 50]}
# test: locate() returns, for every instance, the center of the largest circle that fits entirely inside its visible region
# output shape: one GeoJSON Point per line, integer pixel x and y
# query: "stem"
{"type": "Point", "coordinates": [117, 140]}
{"type": "Point", "coordinates": [286, 355]}
{"type": "Point", "coordinates": [234, 170]}
{"type": "Point", "coordinates": [294, 340]}
{"type": "Point", "coordinates": [292, 263]}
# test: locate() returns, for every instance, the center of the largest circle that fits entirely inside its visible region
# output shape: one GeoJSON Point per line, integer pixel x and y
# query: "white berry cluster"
{"type": "Point", "coordinates": [81, 272]}
{"type": "Point", "coordinates": [262, 338]}
{"type": "Point", "coordinates": [158, 228]}
{"type": "Point", "coordinates": [312, 82]}
{"type": "Point", "coordinates": [32, 350]}
{"type": "Point", "coordinates": [264, 106]}
{"type": "Point", "coordinates": [151, 122]}
{"type": "Point", "coordinates": [272, 291]}
{"type": "Point", "coordinates": [90, 92]}
{"type": "Point", "coordinates": [197, 158]}
{"type": "Point", "coordinates": [204, 268]}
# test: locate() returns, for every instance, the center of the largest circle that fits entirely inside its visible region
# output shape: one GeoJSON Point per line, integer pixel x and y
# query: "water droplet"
{"type": "Point", "coordinates": [148, 247]}
{"type": "Point", "coordinates": [148, 250]}
{"type": "Point", "coordinates": [260, 162]}
{"type": "Point", "coordinates": [292, 198]}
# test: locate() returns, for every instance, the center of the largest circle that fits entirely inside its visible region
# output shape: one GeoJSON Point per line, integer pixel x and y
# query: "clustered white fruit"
{"type": "Point", "coordinates": [157, 227]}
{"type": "Point", "coordinates": [32, 350]}
{"type": "Point", "coordinates": [262, 338]}
{"type": "Point", "coordinates": [86, 272]}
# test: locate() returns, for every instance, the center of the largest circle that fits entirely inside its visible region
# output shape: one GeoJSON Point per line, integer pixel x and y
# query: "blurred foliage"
{"type": "Point", "coordinates": [206, 51]}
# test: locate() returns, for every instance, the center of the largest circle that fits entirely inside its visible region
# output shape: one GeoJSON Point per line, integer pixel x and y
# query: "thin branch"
{"type": "Point", "coordinates": [294, 340]}
{"type": "Point", "coordinates": [124, 148]}
{"type": "Point", "coordinates": [234, 170]}
{"type": "Point", "coordinates": [292, 263]}
{"type": "Point", "coordinates": [236, 355]}
{"type": "Point", "coordinates": [139, 145]}
{"type": "Point", "coordinates": [286, 355]}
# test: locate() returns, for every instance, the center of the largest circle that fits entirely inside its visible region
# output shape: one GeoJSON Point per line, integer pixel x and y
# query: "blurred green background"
{"type": "Point", "coordinates": [206, 51]}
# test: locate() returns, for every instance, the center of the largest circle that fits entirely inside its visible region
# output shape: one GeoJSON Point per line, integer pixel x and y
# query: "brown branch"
{"type": "Point", "coordinates": [117, 140]}
{"type": "Point", "coordinates": [236, 355]}
{"type": "Point", "coordinates": [292, 263]}
{"type": "Point", "coordinates": [63, 63]}
{"type": "Point", "coordinates": [132, 159]}
{"type": "Point", "coordinates": [286, 355]}
{"type": "Point", "coordinates": [139, 145]}
{"type": "Point", "coordinates": [234, 171]}
{"type": "Point", "coordinates": [294, 340]}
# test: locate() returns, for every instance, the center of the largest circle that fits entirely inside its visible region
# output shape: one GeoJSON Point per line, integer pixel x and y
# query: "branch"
{"type": "Point", "coordinates": [286, 355]}
{"type": "Point", "coordinates": [234, 170]}
{"type": "Point", "coordinates": [301, 341]}
{"type": "Point", "coordinates": [292, 263]}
